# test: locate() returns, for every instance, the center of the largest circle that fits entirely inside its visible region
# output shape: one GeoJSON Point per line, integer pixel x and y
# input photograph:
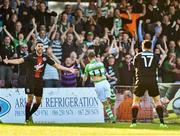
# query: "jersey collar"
{"type": "Point", "coordinates": [92, 61]}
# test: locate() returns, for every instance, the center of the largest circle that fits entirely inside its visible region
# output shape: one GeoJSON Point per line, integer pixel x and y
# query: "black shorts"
{"type": "Point", "coordinates": [34, 86]}
{"type": "Point", "coordinates": [141, 88]}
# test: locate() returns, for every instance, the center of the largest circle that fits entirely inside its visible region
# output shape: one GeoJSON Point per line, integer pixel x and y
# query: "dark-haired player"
{"type": "Point", "coordinates": [36, 63]}
{"type": "Point", "coordinates": [146, 64]}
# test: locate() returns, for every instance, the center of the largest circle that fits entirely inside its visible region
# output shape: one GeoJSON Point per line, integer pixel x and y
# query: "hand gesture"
{"type": "Point", "coordinates": [5, 60]}
{"type": "Point", "coordinates": [74, 71]}
{"type": "Point", "coordinates": [140, 21]}
{"type": "Point", "coordinates": [158, 46]}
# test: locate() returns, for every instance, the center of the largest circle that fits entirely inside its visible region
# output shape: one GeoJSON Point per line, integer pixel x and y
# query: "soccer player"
{"type": "Point", "coordinates": [146, 64]}
{"type": "Point", "coordinates": [96, 70]}
{"type": "Point", "coordinates": [36, 63]}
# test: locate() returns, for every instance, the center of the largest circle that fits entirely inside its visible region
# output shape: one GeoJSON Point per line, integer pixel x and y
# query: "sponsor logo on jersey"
{"type": "Point", "coordinates": [44, 59]}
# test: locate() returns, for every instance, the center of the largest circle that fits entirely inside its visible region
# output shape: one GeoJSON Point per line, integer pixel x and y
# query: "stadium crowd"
{"type": "Point", "coordinates": [113, 29]}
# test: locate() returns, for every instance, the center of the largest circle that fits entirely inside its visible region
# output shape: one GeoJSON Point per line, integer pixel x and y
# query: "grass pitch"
{"type": "Point", "coordinates": [98, 129]}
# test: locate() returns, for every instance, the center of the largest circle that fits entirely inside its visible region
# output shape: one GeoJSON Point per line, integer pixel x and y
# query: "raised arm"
{"type": "Point", "coordinates": [18, 2]}
{"type": "Point", "coordinates": [164, 55]}
{"type": "Point", "coordinates": [140, 35]}
{"type": "Point", "coordinates": [131, 50]}
{"type": "Point", "coordinates": [51, 30]}
{"type": "Point", "coordinates": [29, 35]}
{"type": "Point", "coordinates": [6, 31]}
{"type": "Point", "coordinates": [35, 26]}
{"type": "Point", "coordinates": [76, 34]}
{"type": "Point", "coordinates": [54, 33]}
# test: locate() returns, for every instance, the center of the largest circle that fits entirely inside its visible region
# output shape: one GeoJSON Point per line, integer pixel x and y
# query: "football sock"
{"type": "Point", "coordinates": [109, 112]}
{"type": "Point", "coordinates": [159, 111]}
{"type": "Point", "coordinates": [28, 106]}
{"type": "Point", "coordinates": [34, 108]}
{"type": "Point", "coordinates": [134, 113]}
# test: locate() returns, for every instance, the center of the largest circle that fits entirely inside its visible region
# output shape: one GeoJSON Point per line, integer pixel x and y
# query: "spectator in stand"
{"type": "Point", "coordinates": [132, 27]}
{"type": "Point", "coordinates": [63, 23]}
{"type": "Point", "coordinates": [147, 35]}
{"type": "Point", "coordinates": [69, 42]}
{"type": "Point", "coordinates": [90, 10]}
{"type": "Point", "coordinates": [21, 40]}
{"type": "Point", "coordinates": [6, 70]}
{"type": "Point", "coordinates": [51, 75]}
{"type": "Point", "coordinates": [42, 16]}
{"type": "Point", "coordinates": [111, 69]}
{"type": "Point", "coordinates": [153, 13]}
{"type": "Point", "coordinates": [17, 30]}
{"type": "Point", "coordinates": [56, 44]}
{"type": "Point", "coordinates": [177, 71]}
{"type": "Point", "coordinates": [172, 46]}
{"type": "Point", "coordinates": [22, 69]}
{"type": "Point", "coordinates": [79, 21]}
{"type": "Point", "coordinates": [114, 49]}
{"type": "Point", "coordinates": [168, 68]}
{"type": "Point", "coordinates": [69, 12]}
{"type": "Point", "coordinates": [43, 36]}
{"type": "Point", "coordinates": [119, 22]}
{"type": "Point", "coordinates": [126, 71]}
{"type": "Point", "coordinates": [166, 25]}
{"type": "Point", "coordinates": [69, 79]}
{"type": "Point", "coordinates": [6, 12]}
{"type": "Point", "coordinates": [104, 9]}
{"type": "Point", "coordinates": [12, 22]}
{"type": "Point", "coordinates": [138, 6]}
{"type": "Point", "coordinates": [122, 6]}
{"type": "Point", "coordinates": [25, 14]}
{"type": "Point", "coordinates": [89, 41]}
{"type": "Point", "coordinates": [178, 48]}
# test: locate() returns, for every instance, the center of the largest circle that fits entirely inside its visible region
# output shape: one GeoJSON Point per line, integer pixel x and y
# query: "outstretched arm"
{"type": "Point", "coordinates": [13, 61]}
{"type": "Point", "coordinates": [60, 67]}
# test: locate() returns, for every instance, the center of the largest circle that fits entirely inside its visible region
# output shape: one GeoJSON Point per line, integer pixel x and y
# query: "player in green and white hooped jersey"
{"type": "Point", "coordinates": [96, 70]}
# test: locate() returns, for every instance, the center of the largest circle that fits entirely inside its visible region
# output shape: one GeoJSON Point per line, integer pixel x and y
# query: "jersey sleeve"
{"type": "Point", "coordinates": [50, 61]}
{"type": "Point", "coordinates": [86, 70]}
{"type": "Point", "coordinates": [135, 61]}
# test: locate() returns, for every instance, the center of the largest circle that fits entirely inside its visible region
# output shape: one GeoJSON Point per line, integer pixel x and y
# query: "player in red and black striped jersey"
{"type": "Point", "coordinates": [36, 63]}
{"type": "Point", "coordinates": [146, 64]}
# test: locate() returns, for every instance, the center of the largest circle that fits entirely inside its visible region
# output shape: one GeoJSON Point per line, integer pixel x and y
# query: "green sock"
{"type": "Point", "coordinates": [109, 112]}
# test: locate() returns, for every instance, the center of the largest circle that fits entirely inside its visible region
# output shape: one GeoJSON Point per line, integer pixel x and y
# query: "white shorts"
{"type": "Point", "coordinates": [103, 90]}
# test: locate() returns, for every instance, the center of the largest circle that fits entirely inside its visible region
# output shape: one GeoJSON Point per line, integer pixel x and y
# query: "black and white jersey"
{"type": "Point", "coordinates": [57, 49]}
{"type": "Point", "coordinates": [146, 64]}
{"type": "Point", "coordinates": [45, 40]}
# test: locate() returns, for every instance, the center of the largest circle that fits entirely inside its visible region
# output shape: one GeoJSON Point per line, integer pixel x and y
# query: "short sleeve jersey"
{"type": "Point", "coordinates": [36, 65]}
{"type": "Point", "coordinates": [146, 64]}
{"type": "Point", "coordinates": [95, 68]}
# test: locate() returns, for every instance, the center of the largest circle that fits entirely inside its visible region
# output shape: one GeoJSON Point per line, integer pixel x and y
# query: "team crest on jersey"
{"type": "Point", "coordinates": [27, 90]}
{"type": "Point", "coordinates": [44, 59]}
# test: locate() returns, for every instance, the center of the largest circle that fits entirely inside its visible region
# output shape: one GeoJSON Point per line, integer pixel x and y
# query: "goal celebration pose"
{"type": "Point", "coordinates": [146, 64]}
{"type": "Point", "coordinates": [36, 63]}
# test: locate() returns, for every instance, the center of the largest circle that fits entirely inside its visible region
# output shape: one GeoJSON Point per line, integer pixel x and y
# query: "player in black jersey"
{"type": "Point", "coordinates": [36, 63]}
{"type": "Point", "coordinates": [146, 64]}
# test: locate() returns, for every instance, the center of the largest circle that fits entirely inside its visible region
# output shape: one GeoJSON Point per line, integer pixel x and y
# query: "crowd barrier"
{"type": "Point", "coordinates": [123, 104]}
{"type": "Point", "coordinates": [59, 105]}
{"type": "Point", "coordinates": [73, 105]}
